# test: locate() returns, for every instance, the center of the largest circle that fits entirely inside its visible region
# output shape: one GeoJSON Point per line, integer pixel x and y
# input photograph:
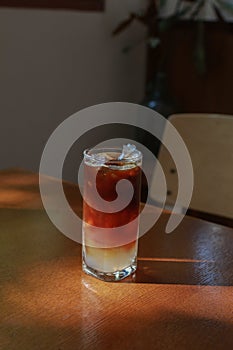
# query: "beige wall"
{"type": "Point", "coordinates": [54, 63]}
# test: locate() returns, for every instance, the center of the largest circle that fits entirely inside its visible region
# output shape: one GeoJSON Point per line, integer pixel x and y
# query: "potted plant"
{"type": "Point", "coordinates": [160, 17]}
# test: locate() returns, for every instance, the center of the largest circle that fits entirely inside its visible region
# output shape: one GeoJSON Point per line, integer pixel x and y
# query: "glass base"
{"type": "Point", "coordinates": [110, 276]}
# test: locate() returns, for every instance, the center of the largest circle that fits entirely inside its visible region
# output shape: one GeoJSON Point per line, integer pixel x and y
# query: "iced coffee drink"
{"type": "Point", "coordinates": [111, 211]}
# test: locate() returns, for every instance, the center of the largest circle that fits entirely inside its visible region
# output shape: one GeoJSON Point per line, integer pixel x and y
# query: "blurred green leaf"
{"type": "Point", "coordinates": [162, 3]}
{"type": "Point", "coordinates": [225, 5]}
{"type": "Point", "coordinates": [165, 24]}
{"type": "Point", "coordinates": [218, 14]}
{"type": "Point", "coordinates": [197, 9]}
{"type": "Point", "coordinates": [153, 42]}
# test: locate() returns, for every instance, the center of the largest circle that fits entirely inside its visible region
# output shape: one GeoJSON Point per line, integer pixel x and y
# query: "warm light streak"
{"type": "Point", "coordinates": [176, 260]}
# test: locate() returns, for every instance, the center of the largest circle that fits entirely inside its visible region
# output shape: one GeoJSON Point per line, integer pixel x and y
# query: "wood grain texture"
{"type": "Point", "coordinates": [180, 297]}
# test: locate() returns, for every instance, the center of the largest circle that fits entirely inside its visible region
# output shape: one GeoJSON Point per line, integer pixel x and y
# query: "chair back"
{"type": "Point", "coordinates": [209, 139]}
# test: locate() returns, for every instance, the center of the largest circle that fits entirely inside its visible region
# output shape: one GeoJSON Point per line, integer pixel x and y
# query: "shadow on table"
{"type": "Point", "coordinates": [180, 272]}
{"type": "Point", "coordinates": [151, 330]}
{"type": "Point", "coordinates": [196, 253]}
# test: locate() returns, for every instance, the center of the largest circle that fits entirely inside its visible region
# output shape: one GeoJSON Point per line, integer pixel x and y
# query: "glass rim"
{"type": "Point", "coordinates": [135, 158]}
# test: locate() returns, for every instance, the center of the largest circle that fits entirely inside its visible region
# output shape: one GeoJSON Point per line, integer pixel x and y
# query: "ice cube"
{"type": "Point", "coordinates": [127, 150]}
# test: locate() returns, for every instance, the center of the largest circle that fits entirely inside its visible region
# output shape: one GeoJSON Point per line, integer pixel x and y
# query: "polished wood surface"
{"type": "Point", "coordinates": [180, 297]}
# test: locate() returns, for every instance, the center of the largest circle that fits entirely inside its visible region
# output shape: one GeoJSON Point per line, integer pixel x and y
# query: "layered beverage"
{"type": "Point", "coordinates": [111, 211]}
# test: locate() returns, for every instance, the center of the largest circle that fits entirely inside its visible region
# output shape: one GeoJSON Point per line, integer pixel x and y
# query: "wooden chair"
{"type": "Point", "coordinates": [209, 139]}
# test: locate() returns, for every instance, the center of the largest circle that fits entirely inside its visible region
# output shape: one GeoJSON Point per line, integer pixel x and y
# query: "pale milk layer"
{"type": "Point", "coordinates": [110, 259]}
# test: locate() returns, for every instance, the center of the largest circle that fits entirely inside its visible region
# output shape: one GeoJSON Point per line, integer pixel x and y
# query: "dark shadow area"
{"type": "Point", "coordinates": [181, 272]}
{"type": "Point", "coordinates": [196, 253]}
{"type": "Point", "coordinates": [185, 273]}
{"type": "Point", "coordinates": [143, 328]}
{"type": "Point", "coordinates": [168, 329]}
{"type": "Point", "coordinates": [81, 5]}
{"type": "Point", "coordinates": [218, 219]}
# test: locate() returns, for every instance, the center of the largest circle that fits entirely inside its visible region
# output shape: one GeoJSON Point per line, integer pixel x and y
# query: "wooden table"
{"type": "Point", "coordinates": [180, 298]}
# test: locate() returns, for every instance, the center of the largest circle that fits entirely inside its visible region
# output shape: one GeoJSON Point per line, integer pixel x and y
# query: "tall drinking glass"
{"type": "Point", "coordinates": [112, 181]}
